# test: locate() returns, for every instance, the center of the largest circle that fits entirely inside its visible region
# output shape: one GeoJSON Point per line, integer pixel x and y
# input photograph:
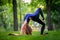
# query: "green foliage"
{"type": "Point", "coordinates": [6, 8]}
{"type": "Point", "coordinates": [3, 2]}
{"type": "Point", "coordinates": [6, 17]}
{"type": "Point", "coordinates": [56, 11]}
{"type": "Point", "coordinates": [35, 3]}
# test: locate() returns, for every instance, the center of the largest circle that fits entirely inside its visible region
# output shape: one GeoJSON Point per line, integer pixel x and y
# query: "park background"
{"type": "Point", "coordinates": [12, 13]}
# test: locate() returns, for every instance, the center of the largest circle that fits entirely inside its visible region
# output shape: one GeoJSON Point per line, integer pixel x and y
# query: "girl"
{"type": "Point", "coordinates": [34, 17]}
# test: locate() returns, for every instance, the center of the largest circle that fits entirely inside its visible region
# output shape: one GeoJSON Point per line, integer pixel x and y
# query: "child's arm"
{"type": "Point", "coordinates": [42, 15]}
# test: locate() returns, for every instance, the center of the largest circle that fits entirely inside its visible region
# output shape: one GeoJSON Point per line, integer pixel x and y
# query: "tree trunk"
{"type": "Point", "coordinates": [50, 27]}
{"type": "Point", "coordinates": [48, 6]}
{"type": "Point", "coordinates": [15, 15]}
{"type": "Point", "coordinates": [20, 15]}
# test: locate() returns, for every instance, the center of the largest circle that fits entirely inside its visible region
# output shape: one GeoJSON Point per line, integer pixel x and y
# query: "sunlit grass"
{"type": "Point", "coordinates": [53, 35]}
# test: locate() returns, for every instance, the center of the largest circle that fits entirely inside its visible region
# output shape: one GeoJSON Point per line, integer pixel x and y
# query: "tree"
{"type": "Point", "coordinates": [48, 7]}
{"type": "Point", "coordinates": [56, 13]}
{"type": "Point", "coordinates": [20, 14]}
{"type": "Point", "coordinates": [15, 15]}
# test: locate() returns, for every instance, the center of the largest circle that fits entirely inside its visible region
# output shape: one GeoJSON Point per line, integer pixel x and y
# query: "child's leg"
{"type": "Point", "coordinates": [43, 25]}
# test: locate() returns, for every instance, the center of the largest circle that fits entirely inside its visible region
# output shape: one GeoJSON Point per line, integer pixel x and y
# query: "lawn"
{"type": "Point", "coordinates": [52, 35]}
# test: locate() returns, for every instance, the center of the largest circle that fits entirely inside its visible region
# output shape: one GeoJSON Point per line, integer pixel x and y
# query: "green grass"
{"type": "Point", "coordinates": [52, 35]}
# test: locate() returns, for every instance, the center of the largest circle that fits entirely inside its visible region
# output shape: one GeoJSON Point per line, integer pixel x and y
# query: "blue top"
{"type": "Point", "coordinates": [34, 16]}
